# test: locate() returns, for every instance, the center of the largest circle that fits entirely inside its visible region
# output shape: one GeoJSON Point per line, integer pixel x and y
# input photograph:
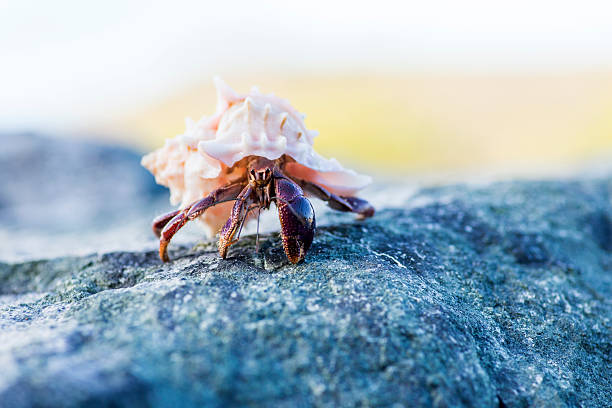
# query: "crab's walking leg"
{"type": "Point", "coordinates": [161, 220]}
{"type": "Point", "coordinates": [297, 218]}
{"type": "Point", "coordinates": [339, 203]}
{"type": "Point", "coordinates": [226, 193]}
{"type": "Point", "coordinates": [236, 219]}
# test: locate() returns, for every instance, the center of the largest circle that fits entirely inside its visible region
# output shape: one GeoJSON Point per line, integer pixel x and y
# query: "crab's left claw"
{"type": "Point", "coordinates": [297, 219]}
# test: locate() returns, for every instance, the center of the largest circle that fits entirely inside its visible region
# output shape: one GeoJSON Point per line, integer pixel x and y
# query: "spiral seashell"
{"type": "Point", "coordinates": [203, 158]}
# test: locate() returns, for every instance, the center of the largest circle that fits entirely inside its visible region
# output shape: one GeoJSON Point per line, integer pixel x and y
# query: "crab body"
{"type": "Point", "coordinates": [253, 152]}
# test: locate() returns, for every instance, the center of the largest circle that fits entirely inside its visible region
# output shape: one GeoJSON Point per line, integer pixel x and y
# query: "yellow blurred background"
{"type": "Point", "coordinates": [420, 122]}
{"type": "Point", "coordinates": [437, 86]}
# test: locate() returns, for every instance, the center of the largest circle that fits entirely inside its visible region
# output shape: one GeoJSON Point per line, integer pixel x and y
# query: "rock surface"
{"type": "Point", "coordinates": [61, 196]}
{"type": "Point", "coordinates": [487, 296]}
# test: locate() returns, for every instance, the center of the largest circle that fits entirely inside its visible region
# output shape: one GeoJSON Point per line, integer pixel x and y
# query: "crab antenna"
{"type": "Point", "coordinates": [257, 236]}
{"type": "Point", "coordinates": [243, 220]}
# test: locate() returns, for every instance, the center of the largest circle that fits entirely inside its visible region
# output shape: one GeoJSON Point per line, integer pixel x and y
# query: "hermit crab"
{"type": "Point", "coordinates": [254, 151]}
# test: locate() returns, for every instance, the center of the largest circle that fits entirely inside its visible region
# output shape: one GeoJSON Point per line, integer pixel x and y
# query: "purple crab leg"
{"type": "Point", "coordinates": [193, 211]}
{"type": "Point", "coordinates": [340, 203]}
{"type": "Point", "coordinates": [161, 220]}
{"type": "Point", "coordinates": [236, 219]}
{"type": "Point", "coordinates": [297, 218]}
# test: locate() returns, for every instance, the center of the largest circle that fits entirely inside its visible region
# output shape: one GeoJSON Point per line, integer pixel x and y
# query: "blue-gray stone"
{"type": "Point", "coordinates": [491, 296]}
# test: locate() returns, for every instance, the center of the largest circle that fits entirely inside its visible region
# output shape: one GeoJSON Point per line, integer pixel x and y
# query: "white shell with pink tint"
{"type": "Point", "coordinates": [197, 162]}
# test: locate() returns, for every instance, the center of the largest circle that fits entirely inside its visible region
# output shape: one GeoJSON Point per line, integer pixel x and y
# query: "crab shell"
{"type": "Point", "coordinates": [208, 155]}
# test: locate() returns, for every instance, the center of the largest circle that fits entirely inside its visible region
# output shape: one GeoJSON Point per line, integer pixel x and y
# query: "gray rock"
{"type": "Point", "coordinates": [461, 296]}
{"type": "Point", "coordinates": [73, 196]}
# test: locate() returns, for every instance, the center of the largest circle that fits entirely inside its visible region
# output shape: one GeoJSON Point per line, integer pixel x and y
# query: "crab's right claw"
{"type": "Point", "coordinates": [297, 219]}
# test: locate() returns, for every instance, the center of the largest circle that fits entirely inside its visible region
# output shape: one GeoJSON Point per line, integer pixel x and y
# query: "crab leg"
{"type": "Point", "coordinates": [339, 203]}
{"type": "Point", "coordinates": [236, 219]}
{"type": "Point", "coordinates": [193, 211]}
{"type": "Point", "coordinates": [297, 218]}
{"type": "Point", "coordinates": [161, 220]}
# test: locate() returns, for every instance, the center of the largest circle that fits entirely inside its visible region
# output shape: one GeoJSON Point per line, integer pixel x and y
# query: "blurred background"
{"type": "Point", "coordinates": [428, 90]}
{"type": "Point", "coordinates": [393, 86]}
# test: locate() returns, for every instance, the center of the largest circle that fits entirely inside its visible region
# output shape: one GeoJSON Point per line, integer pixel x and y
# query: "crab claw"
{"type": "Point", "coordinates": [297, 219]}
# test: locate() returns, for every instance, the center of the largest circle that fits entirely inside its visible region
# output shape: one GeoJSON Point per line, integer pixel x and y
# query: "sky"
{"type": "Point", "coordinates": [64, 63]}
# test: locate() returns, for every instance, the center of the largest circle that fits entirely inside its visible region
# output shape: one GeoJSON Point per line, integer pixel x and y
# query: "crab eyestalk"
{"type": "Point", "coordinates": [297, 219]}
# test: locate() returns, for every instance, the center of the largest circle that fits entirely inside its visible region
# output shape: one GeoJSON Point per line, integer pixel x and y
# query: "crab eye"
{"type": "Point", "coordinates": [252, 172]}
